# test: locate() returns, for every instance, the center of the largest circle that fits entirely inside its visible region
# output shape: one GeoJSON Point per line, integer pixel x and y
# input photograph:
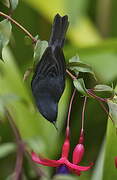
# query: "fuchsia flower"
{"type": "Point", "coordinates": [63, 162]}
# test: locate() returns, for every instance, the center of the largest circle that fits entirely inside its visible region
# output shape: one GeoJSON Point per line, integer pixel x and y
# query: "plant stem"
{"type": "Point", "coordinates": [83, 111]}
{"type": "Point", "coordinates": [106, 111]}
{"type": "Point", "coordinates": [96, 97]}
{"type": "Point", "coordinates": [70, 106]}
{"type": "Point", "coordinates": [20, 149]}
{"type": "Point", "coordinates": [15, 131]}
{"type": "Point", "coordinates": [19, 162]}
{"type": "Point", "coordinates": [71, 75]}
{"type": "Point", "coordinates": [29, 34]}
{"type": "Point", "coordinates": [19, 25]}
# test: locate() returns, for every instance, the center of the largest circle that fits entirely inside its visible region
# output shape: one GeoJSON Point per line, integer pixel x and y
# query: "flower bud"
{"type": "Point", "coordinates": [66, 145]}
{"type": "Point", "coordinates": [78, 153]}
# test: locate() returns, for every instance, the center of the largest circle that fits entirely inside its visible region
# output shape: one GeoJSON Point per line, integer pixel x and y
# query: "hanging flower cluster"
{"type": "Point", "coordinates": [63, 165]}
{"type": "Point", "coordinates": [63, 162]}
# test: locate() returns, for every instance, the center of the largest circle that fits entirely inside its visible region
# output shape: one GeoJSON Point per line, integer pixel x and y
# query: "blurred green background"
{"type": "Point", "coordinates": [92, 35]}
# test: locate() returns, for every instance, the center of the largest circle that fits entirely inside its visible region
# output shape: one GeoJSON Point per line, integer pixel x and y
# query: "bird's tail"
{"type": "Point", "coordinates": [59, 29]}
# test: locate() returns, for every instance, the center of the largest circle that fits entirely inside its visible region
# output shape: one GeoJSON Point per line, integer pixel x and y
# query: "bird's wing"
{"type": "Point", "coordinates": [51, 64]}
{"type": "Point", "coordinates": [60, 61]}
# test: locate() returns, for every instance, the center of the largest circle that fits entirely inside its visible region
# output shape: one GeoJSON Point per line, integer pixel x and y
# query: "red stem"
{"type": "Point", "coordinates": [70, 106]}
{"type": "Point", "coordinates": [29, 35]}
{"type": "Point", "coordinates": [71, 75]}
{"type": "Point", "coordinates": [20, 148]}
{"type": "Point", "coordinates": [104, 108]}
{"type": "Point", "coordinates": [96, 97]}
{"type": "Point", "coordinates": [83, 111]}
{"type": "Point", "coordinates": [18, 25]}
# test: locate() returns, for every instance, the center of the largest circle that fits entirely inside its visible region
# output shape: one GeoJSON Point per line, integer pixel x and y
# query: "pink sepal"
{"type": "Point", "coordinates": [75, 167]}
{"type": "Point", "coordinates": [45, 162]}
{"type": "Point", "coordinates": [62, 161]}
{"type": "Point", "coordinates": [78, 153]}
{"type": "Point", "coordinates": [66, 145]}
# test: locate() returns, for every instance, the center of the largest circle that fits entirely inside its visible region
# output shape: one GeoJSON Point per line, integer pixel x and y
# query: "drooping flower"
{"type": "Point", "coordinates": [63, 164]}
{"type": "Point", "coordinates": [79, 150]}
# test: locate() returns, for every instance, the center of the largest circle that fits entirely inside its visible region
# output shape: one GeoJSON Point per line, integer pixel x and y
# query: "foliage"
{"type": "Point", "coordinates": [95, 65]}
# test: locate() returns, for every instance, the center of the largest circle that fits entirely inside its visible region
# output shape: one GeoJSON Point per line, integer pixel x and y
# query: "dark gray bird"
{"type": "Point", "coordinates": [48, 82]}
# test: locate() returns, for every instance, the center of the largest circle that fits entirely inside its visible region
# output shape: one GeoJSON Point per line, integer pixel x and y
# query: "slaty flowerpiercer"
{"type": "Point", "coordinates": [48, 81]}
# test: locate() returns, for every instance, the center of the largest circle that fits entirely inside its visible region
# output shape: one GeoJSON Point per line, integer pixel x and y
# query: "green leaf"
{"type": "Point", "coordinates": [102, 87]}
{"type": "Point", "coordinates": [103, 91]}
{"type": "Point", "coordinates": [74, 59]}
{"type": "Point", "coordinates": [6, 3]}
{"type": "Point", "coordinates": [14, 4]}
{"type": "Point", "coordinates": [6, 100]}
{"type": "Point", "coordinates": [37, 37]}
{"type": "Point", "coordinates": [6, 149]}
{"type": "Point", "coordinates": [36, 144]}
{"type": "Point", "coordinates": [109, 169]}
{"type": "Point", "coordinates": [39, 50]}
{"type": "Point", "coordinates": [78, 66]}
{"type": "Point", "coordinates": [5, 32]}
{"type": "Point", "coordinates": [80, 86]}
{"type": "Point", "coordinates": [113, 109]}
{"type": "Point", "coordinates": [98, 169]}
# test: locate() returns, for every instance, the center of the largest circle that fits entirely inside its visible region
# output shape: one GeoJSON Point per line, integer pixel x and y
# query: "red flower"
{"type": "Point", "coordinates": [63, 161]}
{"type": "Point", "coordinates": [79, 150]}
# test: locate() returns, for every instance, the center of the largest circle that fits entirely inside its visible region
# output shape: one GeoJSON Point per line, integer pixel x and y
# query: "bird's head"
{"type": "Point", "coordinates": [48, 108]}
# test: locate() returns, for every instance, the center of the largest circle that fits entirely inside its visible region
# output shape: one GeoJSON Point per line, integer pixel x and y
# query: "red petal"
{"type": "Point", "coordinates": [76, 167]}
{"type": "Point", "coordinates": [45, 162]}
{"type": "Point", "coordinates": [78, 153]}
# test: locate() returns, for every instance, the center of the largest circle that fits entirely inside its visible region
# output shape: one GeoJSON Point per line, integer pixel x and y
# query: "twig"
{"type": "Point", "coordinates": [70, 106]}
{"type": "Point", "coordinates": [19, 25]}
{"type": "Point", "coordinates": [29, 34]}
{"type": "Point", "coordinates": [100, 100]}
{"type": "Point", "coordinates": [104, 108]}
{"type": "Point", "coordinates": [71, 75]}
{"type": "Point", "coordinates": [96, 97]}
{"type": "Point", "coordinates": [11, 121]}
{"type": "Point", "coordinates": [19, 162]}
{"type": "Point", "coordinates": [83, 111]}
{"type": "Point", "coordinates": [20, 149]}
